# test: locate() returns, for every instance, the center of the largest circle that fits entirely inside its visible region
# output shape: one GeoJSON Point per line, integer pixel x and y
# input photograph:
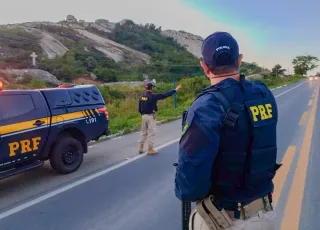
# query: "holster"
{"type": "Point", "coordinates": [184, 118]}
{"type": "Point", "coordinates": [214, 216]}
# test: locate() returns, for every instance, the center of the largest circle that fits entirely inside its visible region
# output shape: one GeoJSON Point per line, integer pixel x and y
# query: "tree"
{"type": "Point", "coordinates": [244, 71]}
{"type": "Point", "coordinates": [277, 70]}
{"type": "Point", "coordinates": [303, 64]}
{"type": "Point", "coordinates": [69, 57]}
{"type": "Point", "coordinates": [105, 75]}
{"type": "Point", "coordinates": [91, 63]}
{"type": "Point", "coordinates": [159, 29]}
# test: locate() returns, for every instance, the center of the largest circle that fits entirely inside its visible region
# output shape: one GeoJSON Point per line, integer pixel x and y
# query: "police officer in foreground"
{"type": "Point", "coordinates": [148, 108]}
{"type": "Point", "coordinates": [228, 148]}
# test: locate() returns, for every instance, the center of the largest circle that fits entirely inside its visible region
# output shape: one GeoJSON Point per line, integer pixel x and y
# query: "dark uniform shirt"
{"type": "Point", "coordinates": [154, 98]}
{"type": "Point", "coordinates": [201, 142]}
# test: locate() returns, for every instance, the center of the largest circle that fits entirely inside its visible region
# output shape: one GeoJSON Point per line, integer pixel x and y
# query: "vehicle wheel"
{"type": "Point", "coordinates": [67, 155]}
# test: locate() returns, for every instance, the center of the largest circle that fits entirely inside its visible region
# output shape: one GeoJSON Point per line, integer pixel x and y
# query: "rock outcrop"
{"type": "Point", "coordinates": [125, 22]}
{"type": "Point", "coordinates": [50, 45]}
{"type": "Point", "coordinates": [190, 41]}
{"type": "Point", "coordinates": [71, 19]}
{"type": "Point", "coordinates": [18, 75]}
{"type": "Point", "coordinates": [113, 49]}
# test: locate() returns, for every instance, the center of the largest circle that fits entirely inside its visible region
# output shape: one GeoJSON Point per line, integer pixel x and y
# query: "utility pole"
{"type": "Point", "coordinates": [175, 95]}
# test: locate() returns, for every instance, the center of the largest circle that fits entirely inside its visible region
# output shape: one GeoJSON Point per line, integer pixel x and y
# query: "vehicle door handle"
{"type": "Point", "coordinates": [38, 123]}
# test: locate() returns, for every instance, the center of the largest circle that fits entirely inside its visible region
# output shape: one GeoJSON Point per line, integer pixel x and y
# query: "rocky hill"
{"type": "Point", "coordinates": [190, 41]}
{"type": "Point", "coordinates": [101, 50]}
{"type": "Point", "coordinates": [55, 38]}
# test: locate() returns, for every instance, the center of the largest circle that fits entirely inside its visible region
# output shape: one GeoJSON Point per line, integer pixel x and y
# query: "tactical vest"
{"type": "Point", "coordinates": [247, 149]}
{"type": "Point", "coordinates": [146, 103]}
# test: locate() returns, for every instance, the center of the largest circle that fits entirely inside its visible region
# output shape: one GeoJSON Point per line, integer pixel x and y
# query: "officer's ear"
{"type": "Point", "coordinates": [205, 68]}
{"type": "Point", "coordinates": [240, 59]}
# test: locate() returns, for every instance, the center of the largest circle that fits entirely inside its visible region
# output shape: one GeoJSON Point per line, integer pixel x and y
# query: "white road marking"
{"type": "Point", "coordinates": [289, 89]}
{"type": "Point", "coordinates": [91, 177]}
{"type": "Point", "coordinates": [76, 183]}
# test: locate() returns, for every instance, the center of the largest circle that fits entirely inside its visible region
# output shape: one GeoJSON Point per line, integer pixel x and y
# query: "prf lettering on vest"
{"type": "Point", "coordinates": [261, 111]}
{"type": "Point", "coordinates": [144, 98]}
{"type": "Point", "coordinates": [24, 145]}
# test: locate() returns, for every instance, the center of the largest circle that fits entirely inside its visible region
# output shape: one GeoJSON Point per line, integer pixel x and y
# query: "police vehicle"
{"type": "Point", "coordinates": [53, 124]}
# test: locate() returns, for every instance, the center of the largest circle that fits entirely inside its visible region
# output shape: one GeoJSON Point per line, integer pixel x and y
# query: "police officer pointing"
{"type": "Point", "coordinates": [228, 148]}
{"type": "Point", "coordinates": [148, 108]}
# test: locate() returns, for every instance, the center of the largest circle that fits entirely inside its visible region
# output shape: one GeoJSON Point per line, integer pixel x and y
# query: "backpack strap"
{"type": "Point", "coordinates": [232, 110]}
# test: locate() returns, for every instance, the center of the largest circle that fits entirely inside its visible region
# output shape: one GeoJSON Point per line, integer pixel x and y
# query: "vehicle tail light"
{"type": "Point", "coordinates": [105, 111]}
{"type": "Point", "coordinates": [1, 85]}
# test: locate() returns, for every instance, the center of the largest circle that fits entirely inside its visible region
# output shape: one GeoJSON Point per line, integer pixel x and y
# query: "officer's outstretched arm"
{"type": "Point", "coordinates": [161, 96]}
{"type": "Point", "coordinates": [197, 150]}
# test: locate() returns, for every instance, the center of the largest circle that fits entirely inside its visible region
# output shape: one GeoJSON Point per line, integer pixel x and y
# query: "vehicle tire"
{"type": "Point", "coordinates": [67, 155]}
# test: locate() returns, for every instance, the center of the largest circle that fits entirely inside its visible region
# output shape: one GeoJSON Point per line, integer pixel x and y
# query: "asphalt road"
{"type": "Point", "coordinates": [117, 189]}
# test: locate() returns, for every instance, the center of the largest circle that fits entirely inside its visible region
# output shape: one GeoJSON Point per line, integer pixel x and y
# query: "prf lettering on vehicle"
{"type": "Point", "coordinates": [261, 112]}
{"type": "Point", "coordinates": [24, 145]}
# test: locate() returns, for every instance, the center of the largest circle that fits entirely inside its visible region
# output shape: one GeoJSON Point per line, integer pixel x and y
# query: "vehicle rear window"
{"type": "Point", "coordinates": [15, 105]}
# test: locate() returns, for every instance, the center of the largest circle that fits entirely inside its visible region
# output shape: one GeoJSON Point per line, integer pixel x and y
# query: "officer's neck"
{"type": "Point", "coordinates": [215, 79]}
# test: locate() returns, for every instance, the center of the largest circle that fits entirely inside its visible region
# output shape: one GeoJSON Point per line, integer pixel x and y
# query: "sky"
{"type": "Point", "coordinates": [268, 32]}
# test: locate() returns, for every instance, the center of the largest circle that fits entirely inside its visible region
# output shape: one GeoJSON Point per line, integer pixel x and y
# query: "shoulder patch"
{"type": "Point", "coordinates": [262, 112]}
{"type": "Point", "coordinates": [187, 122]}
{"type": "Point", "coordinates": [193, 140]}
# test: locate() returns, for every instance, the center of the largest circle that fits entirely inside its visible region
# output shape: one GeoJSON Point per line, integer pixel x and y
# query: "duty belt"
{"type": "Point", "coordinates": [217, 218]}
{"type": "Point", "coordinates": [250, 209]}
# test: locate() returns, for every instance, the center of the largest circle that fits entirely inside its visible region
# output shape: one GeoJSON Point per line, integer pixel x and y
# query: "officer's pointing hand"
{"type": "Point", "coordinates": [178, 87]}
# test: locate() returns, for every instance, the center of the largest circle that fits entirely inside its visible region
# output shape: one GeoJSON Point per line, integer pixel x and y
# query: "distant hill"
{"type": "Point", "coordinates": [103, 50]}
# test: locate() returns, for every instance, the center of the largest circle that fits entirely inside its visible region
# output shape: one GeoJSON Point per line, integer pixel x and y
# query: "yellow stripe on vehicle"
{"type": "Point", "coordinates": [67, 116]}
{"type": "Point", "coordinates": [87, 113]}
{"type": "Point", "coordinates": [21, 126]}
{"type": "Point", "coordinates": [84, 113]}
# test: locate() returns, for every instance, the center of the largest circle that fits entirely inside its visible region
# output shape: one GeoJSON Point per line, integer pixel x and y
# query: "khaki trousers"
{"type": "Point", "coordinates": [148, 128]}
{"type": "Point", "coordinates": [263, 220]}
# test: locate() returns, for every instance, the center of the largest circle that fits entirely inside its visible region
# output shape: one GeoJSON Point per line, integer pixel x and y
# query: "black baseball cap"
{"type": "Point", "coordinates": [220, 49]}
{"type": "Point", "coordinates": [150, 85]}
